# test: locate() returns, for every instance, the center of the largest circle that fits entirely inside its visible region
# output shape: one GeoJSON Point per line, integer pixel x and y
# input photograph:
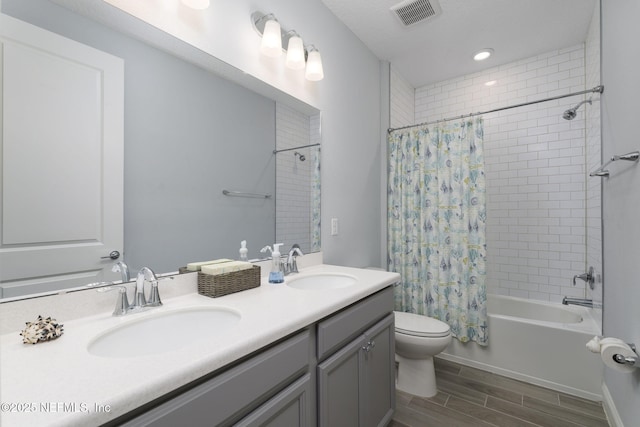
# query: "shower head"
{"type": "Point", "coordinates": [302, 157]}
{"type": "Point", "coordinates": [570, 114]}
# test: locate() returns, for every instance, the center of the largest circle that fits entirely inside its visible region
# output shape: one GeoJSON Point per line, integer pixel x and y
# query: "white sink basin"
{"type": "Point", "coordinates": [322, 281]}
{"type": "Point", "coordinates": [163, 332]}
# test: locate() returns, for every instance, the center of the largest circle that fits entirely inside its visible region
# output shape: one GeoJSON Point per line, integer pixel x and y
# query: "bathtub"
{"type": "Point", "coordinates": [538, 342]}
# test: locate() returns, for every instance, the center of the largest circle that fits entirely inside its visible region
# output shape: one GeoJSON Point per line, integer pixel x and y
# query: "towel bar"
{"type": "Point", "coordinates": [242, 194]}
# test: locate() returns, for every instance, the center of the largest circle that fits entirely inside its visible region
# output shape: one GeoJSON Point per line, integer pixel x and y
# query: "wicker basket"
{"type": "Point", "coordinates": [228, 283]}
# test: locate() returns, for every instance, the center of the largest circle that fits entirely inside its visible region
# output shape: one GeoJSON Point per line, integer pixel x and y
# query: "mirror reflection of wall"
{"type": "Point", "coordinates": [188, 134]}
{"type": "Point", "coordinates": [297, 179]}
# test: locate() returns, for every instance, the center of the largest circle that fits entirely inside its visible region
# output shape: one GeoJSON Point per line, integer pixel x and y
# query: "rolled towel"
{"type": "Point", "coordinates": [196, 266]}
{"type": "Point", "coordinates": [227, 267]}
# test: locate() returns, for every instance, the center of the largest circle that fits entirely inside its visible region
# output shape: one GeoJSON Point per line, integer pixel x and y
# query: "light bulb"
{"type": "Point", "coordinates": [271, 44]}
{"type": "Point", "coordinates": [295, 53]}
{"type": "Point", "coordinates": [314, 70]}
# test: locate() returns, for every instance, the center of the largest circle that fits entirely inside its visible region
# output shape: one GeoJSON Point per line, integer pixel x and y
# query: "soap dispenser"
{"type": "Point", "coordinates": [276, 275]}
{"type": "Point", "coordinates": [243, 250]}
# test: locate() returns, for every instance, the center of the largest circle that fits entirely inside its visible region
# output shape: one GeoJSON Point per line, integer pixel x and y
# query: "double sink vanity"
{"type": "Point", "coordinates": [315, 350]}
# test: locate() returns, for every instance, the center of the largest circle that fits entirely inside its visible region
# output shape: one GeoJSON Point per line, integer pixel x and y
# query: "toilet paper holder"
{"type": "Point", "coordinates": [629, 361]}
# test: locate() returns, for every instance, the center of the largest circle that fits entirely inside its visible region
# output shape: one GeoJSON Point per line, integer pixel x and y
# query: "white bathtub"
{"type": "Point", "coordinates": [537, 342]}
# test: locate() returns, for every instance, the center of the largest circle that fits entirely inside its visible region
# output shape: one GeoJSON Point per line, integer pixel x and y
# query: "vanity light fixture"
{"type": "Point", "coordinates": [483, 54]}
{"type": "Point", "coordinates": [314, 70]}
{"type": "Point", "coordinates": [274, 38]}
{"type": "Point", "coordinates": [271, 44]}
{"type": "Point", "coordinates": [295, 52]}
{"type": "Point", "coordinates": [491, 83]}
{"type": "Point", "coordinates": [196, 4]}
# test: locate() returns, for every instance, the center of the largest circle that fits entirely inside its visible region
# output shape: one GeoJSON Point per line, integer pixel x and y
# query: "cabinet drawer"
{"type": "Point", "coordinates": [289, 408]}
{"type": "Point", "coordinates": [234, 392]}
{"type": "Point", "coordinates": [339, 329]}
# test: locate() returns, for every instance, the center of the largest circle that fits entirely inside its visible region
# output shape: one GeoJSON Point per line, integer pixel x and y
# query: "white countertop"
{"type": "Point", "coordinates": [59, 383]}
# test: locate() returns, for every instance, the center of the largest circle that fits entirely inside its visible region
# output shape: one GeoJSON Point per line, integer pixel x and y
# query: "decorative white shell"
{"type": "Point", "coordinates": [41, 330]}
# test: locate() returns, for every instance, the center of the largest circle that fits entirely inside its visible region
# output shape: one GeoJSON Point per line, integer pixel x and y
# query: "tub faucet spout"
{"type": "Point", "coordinates": [577, 301]}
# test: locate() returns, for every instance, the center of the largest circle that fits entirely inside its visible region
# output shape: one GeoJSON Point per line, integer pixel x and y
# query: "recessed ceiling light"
{"type": "Point", "coordinates": [483, 54]}
{"type": "Point", "coordinates": [491, 83]}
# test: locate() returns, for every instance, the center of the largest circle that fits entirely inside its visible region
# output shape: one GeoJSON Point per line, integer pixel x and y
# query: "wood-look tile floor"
{"type": "Point", "coordinates": [471, 397]}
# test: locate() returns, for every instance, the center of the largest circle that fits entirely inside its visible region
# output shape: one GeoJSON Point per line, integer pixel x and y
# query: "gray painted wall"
{"type": "Point", "coordinates": [621, 195]}
{"type": "Point", "coordinates": [351, 145]}
{"type": "Point", "coordinates": [188, 135]}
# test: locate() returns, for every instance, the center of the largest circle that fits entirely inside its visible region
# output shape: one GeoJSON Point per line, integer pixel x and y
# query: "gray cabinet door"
{"type": "Point", "coordinates": [356, 386]}
{"type": "Point", "coordinates": [347, 325]}
{"type": "Point", "coordinates": [339, 387]}
{"type": "Point", "coordinates": [378, 379]}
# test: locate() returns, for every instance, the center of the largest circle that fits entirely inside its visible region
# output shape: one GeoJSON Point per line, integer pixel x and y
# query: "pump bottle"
{"type": "Point", "coordinates": [276, 275]}
{"type": "Point", "coordinates": [243, 250]}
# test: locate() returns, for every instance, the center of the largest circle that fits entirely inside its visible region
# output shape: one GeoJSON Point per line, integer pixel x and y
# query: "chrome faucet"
{"type": "Point", "coordinates": [122, 303]}
{"type": "Point", "coordinates": [123, 269]}
{"type": "Point", "coordinates": [139, 301]}
{"type": "Point", "coordinates": [292, 263]}
{"type": "Point", "coordinates": [577, 301]}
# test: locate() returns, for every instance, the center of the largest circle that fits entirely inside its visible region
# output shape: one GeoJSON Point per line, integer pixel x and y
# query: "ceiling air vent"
{"type": "Point", "coordinates": [411, 12]}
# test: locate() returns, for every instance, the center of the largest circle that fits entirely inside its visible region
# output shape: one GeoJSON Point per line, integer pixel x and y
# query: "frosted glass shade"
{"type": "Point", "coordinates": [271, 45]}
{"type": "Point", "coordinates": [295, 54]}
{"type": "Point", "coordinates": [196, 4]}
{"type": "Point", "coordinates": [314, 70]}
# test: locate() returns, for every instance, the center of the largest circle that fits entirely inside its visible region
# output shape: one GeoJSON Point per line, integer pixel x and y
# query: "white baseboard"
{"type": "Point", "coordinates": [610, 408]}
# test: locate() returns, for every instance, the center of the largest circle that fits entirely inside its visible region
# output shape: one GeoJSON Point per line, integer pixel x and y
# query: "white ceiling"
{"type": "Point", "coordinates": [442, 47]}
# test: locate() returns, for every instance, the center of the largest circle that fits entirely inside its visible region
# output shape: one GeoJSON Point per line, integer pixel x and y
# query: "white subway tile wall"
{"type": "Point", "coordinates": [593, 160]}
{"type": "Point", "coordinates": [402, 97]}
{"type": "Point", "coordinates": [294, 177]}
{"type": "Point", "coordinates": [535, 169]}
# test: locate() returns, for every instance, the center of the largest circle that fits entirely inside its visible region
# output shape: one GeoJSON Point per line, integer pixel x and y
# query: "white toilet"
{"type": "Point", "coordinates": [418, 339]}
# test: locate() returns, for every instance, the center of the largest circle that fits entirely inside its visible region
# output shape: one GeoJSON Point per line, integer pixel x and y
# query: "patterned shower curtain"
{"type": "Point", "coordinates": [436, 224]}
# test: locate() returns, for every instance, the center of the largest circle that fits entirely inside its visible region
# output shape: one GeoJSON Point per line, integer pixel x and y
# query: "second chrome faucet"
{"type": "Point", "coordinates": [291, 265]}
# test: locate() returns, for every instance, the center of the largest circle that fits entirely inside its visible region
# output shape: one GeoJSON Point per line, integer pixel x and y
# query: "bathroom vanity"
{"type": "Point", "coordinates": [296, 357]}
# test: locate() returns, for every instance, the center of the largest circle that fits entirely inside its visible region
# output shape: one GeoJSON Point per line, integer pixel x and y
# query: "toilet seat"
{"type": "Point", "coordinates": [420, 326]}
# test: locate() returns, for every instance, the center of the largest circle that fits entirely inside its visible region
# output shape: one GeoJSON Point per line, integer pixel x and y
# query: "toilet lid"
{"type": "Point", "coordinates": [420, 326]}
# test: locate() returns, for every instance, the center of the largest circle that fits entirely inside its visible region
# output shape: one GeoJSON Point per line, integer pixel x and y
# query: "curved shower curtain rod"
{"type": "Point", "coordinates": [598, 89]}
